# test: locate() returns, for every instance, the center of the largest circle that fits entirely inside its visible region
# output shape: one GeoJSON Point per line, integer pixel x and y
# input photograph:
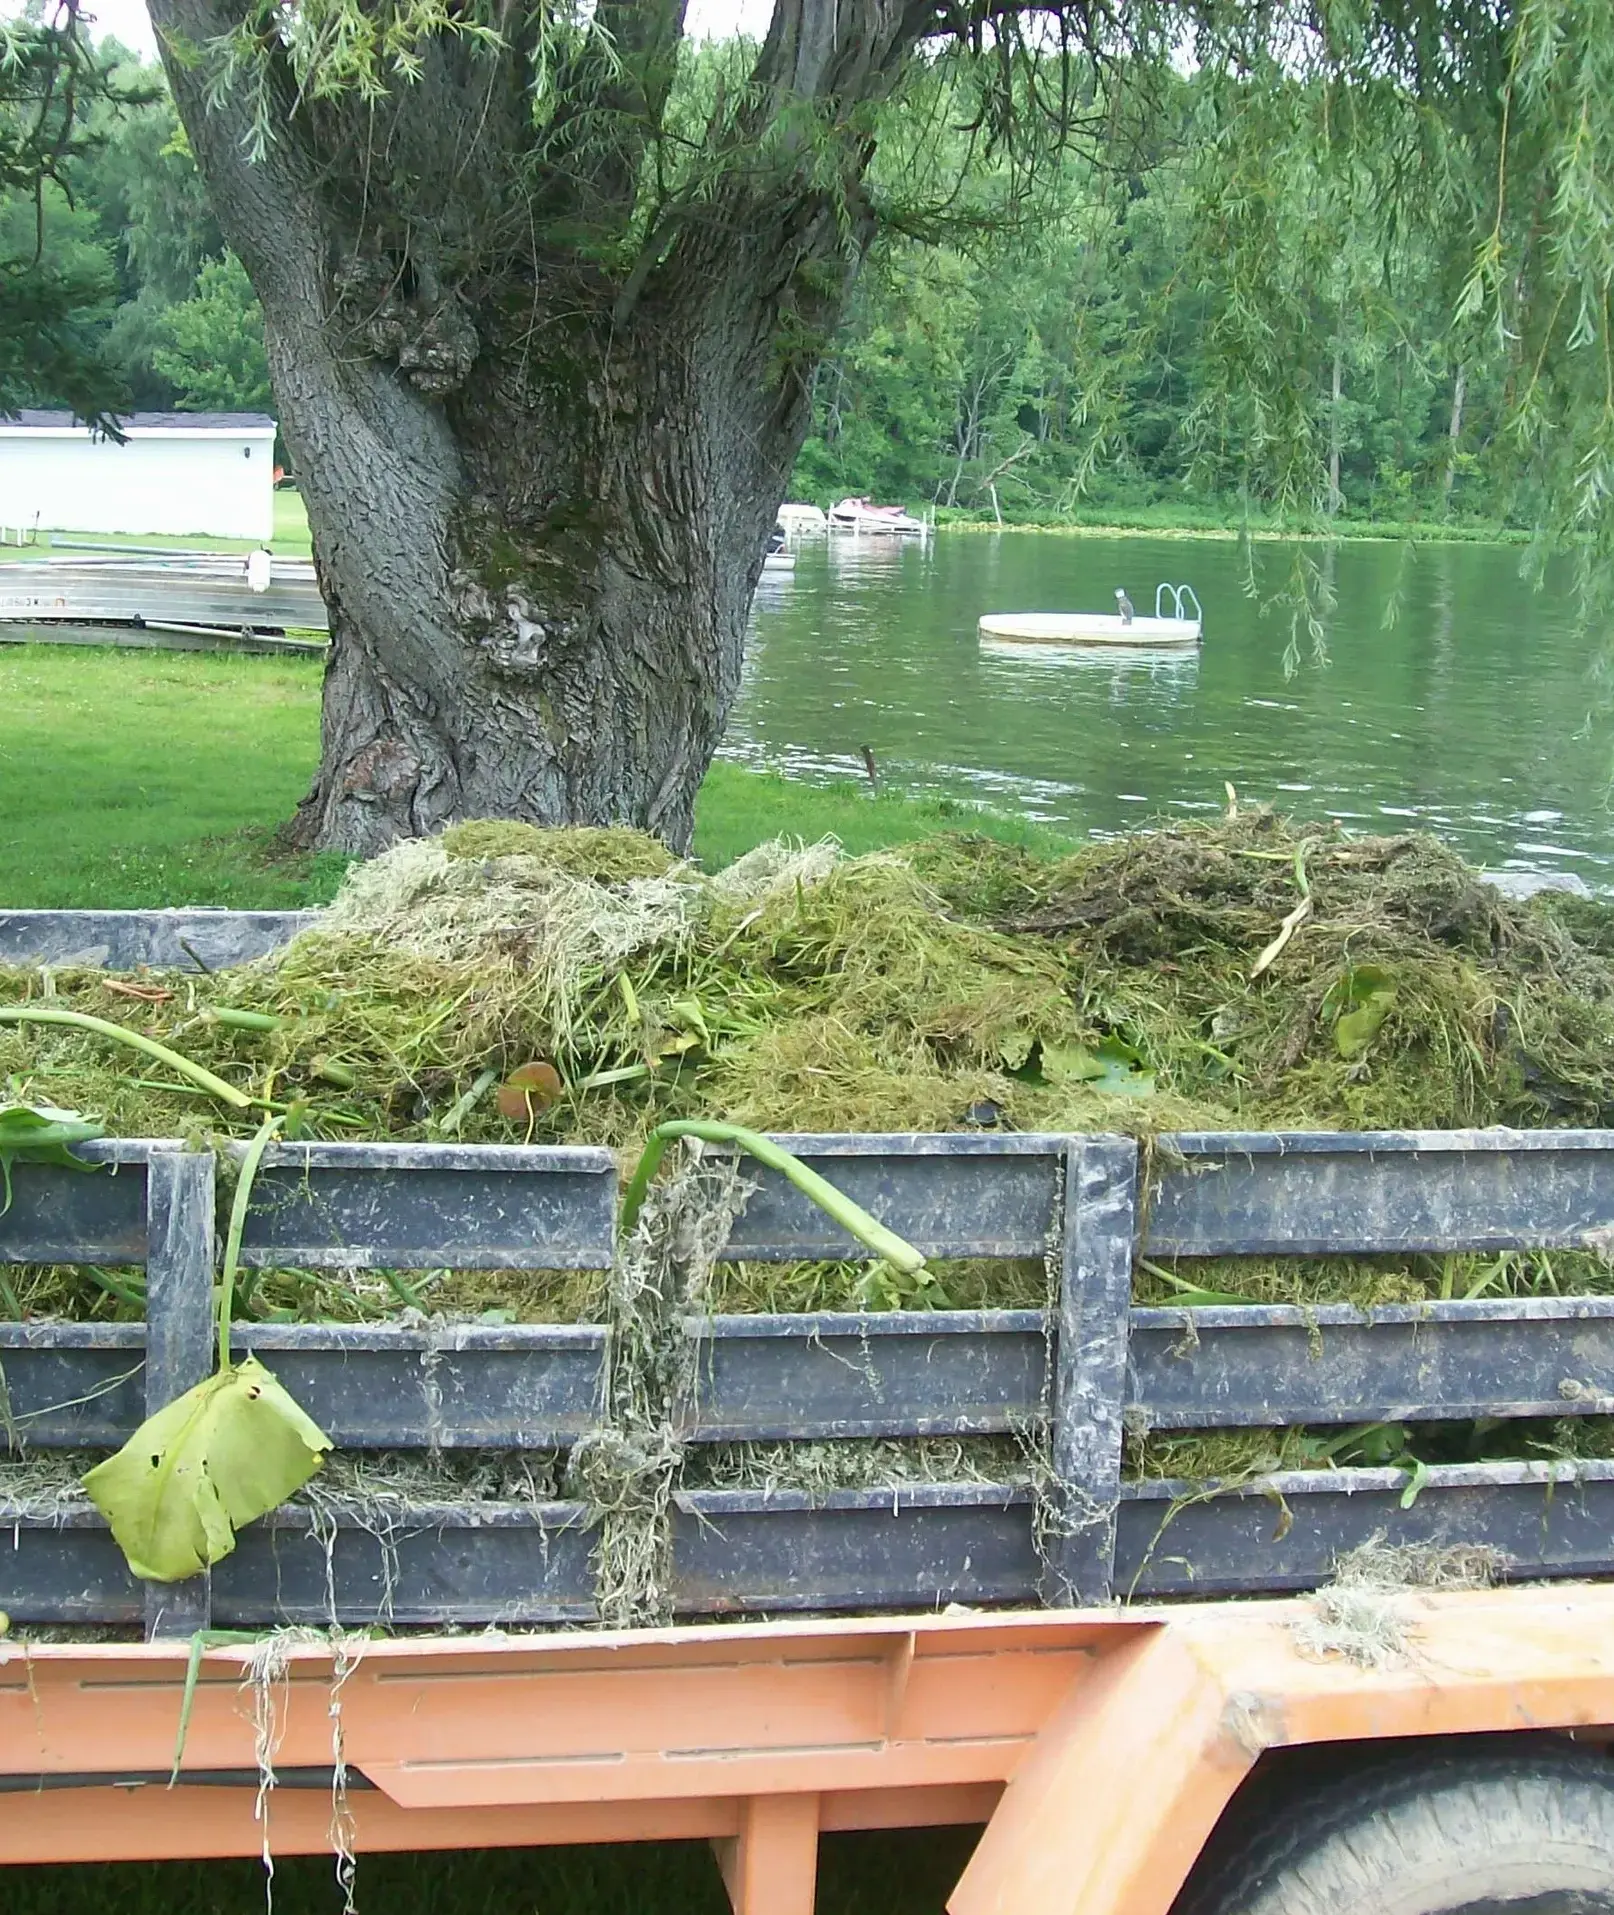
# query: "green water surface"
{"type": "Point", "coordinates": [1454, 697]}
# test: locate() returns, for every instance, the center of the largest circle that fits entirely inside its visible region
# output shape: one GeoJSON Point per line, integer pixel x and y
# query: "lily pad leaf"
{"type": "Point", "coordinates": [217, 1458]}
{"type": "Point", "coordinates": [40, 1134]}
{"type": "Point", "coordinates": [1359, 1002]}
{"type": "Point", "coordinates": [1112, 1066]}
{"type": "Point", "coordinates": [1016, 1050]}
{"type": "Point", "coordinates": [528, 1089]}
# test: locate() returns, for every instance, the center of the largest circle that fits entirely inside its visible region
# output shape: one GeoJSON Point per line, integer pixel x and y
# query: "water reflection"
{"type": "Point", "coordinates": [877, 552]}
{"type": "Point", "coordinates": [1464, 710]}
{"type": "Point", "coordinates": [1143, 669]}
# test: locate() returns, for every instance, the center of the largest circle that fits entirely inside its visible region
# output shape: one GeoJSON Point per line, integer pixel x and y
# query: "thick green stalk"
{"type": "Point", "coordinates": [118, 1034]}
{"type": "Point", "coordinates": [246, 1020]}
{"type": "Point", "coordinates": [852, 1217]}
{"type": "Point", "coordinates": [238, 1223]}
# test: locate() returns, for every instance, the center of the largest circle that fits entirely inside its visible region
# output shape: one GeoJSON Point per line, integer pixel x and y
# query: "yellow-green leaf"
{"type": "Point", "coordinates": [1359, 1002]}
{"type": "Point", "coordinates": [216, 1458]}
{"type": "Point", "coordinates": [1113, 1067]}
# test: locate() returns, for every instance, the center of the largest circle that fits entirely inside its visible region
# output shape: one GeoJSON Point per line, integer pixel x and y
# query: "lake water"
{"type": "Point", "coordinates": [1475, 712]}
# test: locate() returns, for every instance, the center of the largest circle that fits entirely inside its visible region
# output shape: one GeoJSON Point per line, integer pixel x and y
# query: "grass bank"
{"type": "Point", "coordinates": [290, 538]}
{"type": "Point", "coordinates": [739, 808]}
{"type": "Point", "coordinates": [902, 1873]}
{"type": "Point", "coordinates": [136, 779]}
{"type": "Point", "coordinates": [1213, 522]}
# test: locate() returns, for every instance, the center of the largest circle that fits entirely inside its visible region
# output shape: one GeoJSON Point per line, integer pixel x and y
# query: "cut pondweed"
{"type": "Point", "coordinates": [215, 1459]}
{"type": "Point", "coordinates": [41, 1134]}
{"type": "Point", "coordinates": [955, 984]}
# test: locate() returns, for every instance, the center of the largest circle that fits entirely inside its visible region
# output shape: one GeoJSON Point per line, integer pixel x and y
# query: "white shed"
{"type": "Point", "coordinates": [195, 474]}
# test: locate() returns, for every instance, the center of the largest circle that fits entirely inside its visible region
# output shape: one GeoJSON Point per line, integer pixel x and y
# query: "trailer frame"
{"type": "Point", "coordinates": [1099, 1735]}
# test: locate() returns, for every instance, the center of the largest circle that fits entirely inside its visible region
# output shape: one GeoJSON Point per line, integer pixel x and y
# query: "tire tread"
{"type": "Point", "coordinates": [1370, 1801]}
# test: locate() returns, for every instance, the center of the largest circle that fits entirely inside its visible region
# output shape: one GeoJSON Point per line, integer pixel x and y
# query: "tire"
{"type": "Point", "coordinates": [1510, 1832]}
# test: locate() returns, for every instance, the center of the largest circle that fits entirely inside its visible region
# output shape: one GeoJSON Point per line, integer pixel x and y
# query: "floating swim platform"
{"type": "Point", "coordinates": [1177, 623]}
{"type": "Point", "coordinates": [1092, 628]}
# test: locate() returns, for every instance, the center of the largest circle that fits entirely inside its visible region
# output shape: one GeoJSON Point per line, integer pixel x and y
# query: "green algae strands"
{"type": "Point", "coordinates": [953, 985]}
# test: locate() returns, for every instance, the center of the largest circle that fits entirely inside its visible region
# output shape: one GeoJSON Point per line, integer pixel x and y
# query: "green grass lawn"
{"type": "Point", "coordinates": [908, 1873]}
{"type": "Point", "coordinates": [290, 537]}
{"type": "Point", "coordinates": [127, 778]}
{"type": "Point", "coordinates": [135, 779]}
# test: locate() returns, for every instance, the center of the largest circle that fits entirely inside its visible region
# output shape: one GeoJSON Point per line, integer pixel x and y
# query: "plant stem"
{"type": "Point", "coordinates": [852, 1217]}
{"type": "Point", "coordinates": [238, 1223]}
{"type": "Point", "coordinates": [119, 1034]}
{"type": "Point", "coordinates": [1191, 1294]}
{"type": "Point", "coordinates": [246, 1020]}
{"type": "Point", "coordinates": [123, 1292]}
{"type": "Point", "coordinates": [201, 1642]}
{"type": "Point", "coordinates": [404, 1291]}
{"type": "Point", "coordinates": [462, 1106]}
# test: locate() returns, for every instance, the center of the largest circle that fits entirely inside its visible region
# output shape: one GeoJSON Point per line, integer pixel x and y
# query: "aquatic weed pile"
{"type": "Point", "coordinates": [505, 984]}
{"type": "Point", "coordinates": [795, 990]}
{"type": "Point", "coordinates": [1398, 990]}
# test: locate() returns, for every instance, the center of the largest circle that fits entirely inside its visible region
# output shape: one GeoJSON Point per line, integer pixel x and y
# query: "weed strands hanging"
{"type": "Point", "coordinates": [628, 1470]}
{"type": "Point", "coordinates": [505, 984]}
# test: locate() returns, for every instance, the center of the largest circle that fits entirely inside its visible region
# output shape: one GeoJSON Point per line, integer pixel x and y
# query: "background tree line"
{"type": "Point", "coordinates": [130, 242]}
{"type": "Point", "coordinates": [1095, 355]}
{"type": "Point", "coordinates": [1056, 367]}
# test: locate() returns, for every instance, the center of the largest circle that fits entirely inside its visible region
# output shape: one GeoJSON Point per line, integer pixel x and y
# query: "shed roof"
{"type": "Point", "coordinates": [31, 419]}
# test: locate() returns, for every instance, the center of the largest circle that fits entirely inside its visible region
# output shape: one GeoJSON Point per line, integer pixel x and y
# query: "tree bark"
{"type": "Point", "coordinates": [1336, 431]}
{"type": "Point", "coordinates": [1454, 434]}
{"type": "Point", "coordinates": [537, 609]}
{"type": "Point", "coordinates": [539, 492]}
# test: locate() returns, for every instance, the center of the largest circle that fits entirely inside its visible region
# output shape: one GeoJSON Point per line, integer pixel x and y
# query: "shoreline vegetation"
{"type": "Point", "coordinates": [1173, 522]}
{"type": "Point", "coordinates": [1157, 519]}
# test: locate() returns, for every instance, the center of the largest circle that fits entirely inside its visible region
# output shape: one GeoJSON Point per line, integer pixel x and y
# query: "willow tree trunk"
{"type": "Point", "coordinates": [537, 596]}
{"type": "Point", "coordinates": [537, 586]}
{"type": "Point", "coordinates": [539, 493]}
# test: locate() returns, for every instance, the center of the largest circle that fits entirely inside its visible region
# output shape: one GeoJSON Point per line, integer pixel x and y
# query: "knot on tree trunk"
{"type": "Point", "coordinates": [421, 328]}
{"type": "Point", "coordinates": [513, 637]}
{"type": "Point", "coordinates": [385, 772]}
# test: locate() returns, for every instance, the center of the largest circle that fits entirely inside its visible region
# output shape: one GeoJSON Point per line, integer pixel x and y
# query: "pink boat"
{"type": "Point", "coordinates": [858, 515]}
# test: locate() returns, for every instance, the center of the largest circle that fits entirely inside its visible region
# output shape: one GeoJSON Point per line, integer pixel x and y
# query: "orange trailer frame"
{"type": "Point", "coordinates": [1098, 1747]}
